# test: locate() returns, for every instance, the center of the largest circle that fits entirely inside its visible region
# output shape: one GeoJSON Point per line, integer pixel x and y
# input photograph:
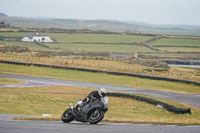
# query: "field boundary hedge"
{"type": "Point", "coordinates": [176, 62]}
{"type": "Point", "coordinates": [106, 72]}
{"type": "Point", "coordinates": [159, 104]}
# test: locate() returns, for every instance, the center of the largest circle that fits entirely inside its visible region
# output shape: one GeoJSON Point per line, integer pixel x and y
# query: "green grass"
{"type": "Point", "coordinates": [6, 81]}
{"type": "Point", "coordinates": [179, 49]}
{"type": "Point", "coordinates": [54, 100]}
{"type": "Point", "coordinates": [14, 34]}
{"type": "Point", "coordinates": [100, 78]}
{"type": "Point", "coordinates": [31, 45]}
{"type": "Point", "coordinates": [37, 101]}
{"type": "Point", "coordinates": [100, 48]}
{"type": "Point", "coordinates": [183, 37]}
{"type": "Point", "coordinates": [69, 45]}
{"type": "Point", "coordinates": [78, 47]}
{"type": "Point", "coordinates": [176, 42]}
{"type": "Point", "coordinates": [103, 38]}
{"type": "Point", "coordinates": [91, 38]}
{"type": "Point", "coordinates": [89, 43]}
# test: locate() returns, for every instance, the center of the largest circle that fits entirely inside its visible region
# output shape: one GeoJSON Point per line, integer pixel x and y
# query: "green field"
{"type": "Point", "coordinates": [54, 100]}
{"type": "Point", "coordinates": [14, 34]}
{"type": "Point", "coordinates": [176, 42]}
{"type": "Point", "coordinates": [100, 78]}
{"type": "Point", "coordinates": [101, 38]}
{"type": "Point", "coordinates": [29, 45]}
{"type": "Point", "coordinates": [90, 38]}
{"type": "Point", "coordinates": [179, 49]}
{"type": "Point", "coordinates": [111, 43]}
{"type": "Point", "coordinates": [111, 48]}
{"type": "Point", "coordinates": [83, 42]}
{"type": "Point", "coordinates": [183, 37]}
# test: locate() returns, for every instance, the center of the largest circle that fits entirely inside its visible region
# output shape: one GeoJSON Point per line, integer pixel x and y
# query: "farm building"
{"type": "Point", "coordinates": [36, 38]}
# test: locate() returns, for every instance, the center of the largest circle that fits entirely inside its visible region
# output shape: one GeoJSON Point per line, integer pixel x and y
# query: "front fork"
{"type": "Point", "coordinates": [72, 108]}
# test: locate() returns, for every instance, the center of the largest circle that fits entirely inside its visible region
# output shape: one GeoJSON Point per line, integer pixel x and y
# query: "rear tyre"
{"type": "Point", "coordinates": [67, 116]}
{"type": "Point", "coordinates": [96, 116]}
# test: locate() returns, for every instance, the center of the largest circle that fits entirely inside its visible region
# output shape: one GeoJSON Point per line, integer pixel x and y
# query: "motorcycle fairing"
{"type": "Point", "coordinates": [85, 111]}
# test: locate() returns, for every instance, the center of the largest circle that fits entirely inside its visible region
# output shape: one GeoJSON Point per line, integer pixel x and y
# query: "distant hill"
{"type": "Point", "coordinates": [3, 15]}
{"type": "Point", "coordinates": [166, 26]}
{"type": "Point", "coordinates": [105, 25]}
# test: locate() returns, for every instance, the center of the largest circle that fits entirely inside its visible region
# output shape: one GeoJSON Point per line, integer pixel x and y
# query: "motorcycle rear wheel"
{"type": "Point", "coordinates": [67, 116]}
{"type": "Point", "coordinates": [96, 117]}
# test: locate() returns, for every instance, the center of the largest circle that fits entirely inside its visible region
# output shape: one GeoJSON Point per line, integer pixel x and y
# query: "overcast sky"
{"type": "Point", "coordinates": [149, 11]}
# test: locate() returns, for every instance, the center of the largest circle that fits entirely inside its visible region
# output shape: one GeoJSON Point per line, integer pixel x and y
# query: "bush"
{"type": "Point", "coordinates": [16, 49]}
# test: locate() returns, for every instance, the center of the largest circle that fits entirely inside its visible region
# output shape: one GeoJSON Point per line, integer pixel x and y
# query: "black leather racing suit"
{"type": "Point", "coordinates": [93, 94]}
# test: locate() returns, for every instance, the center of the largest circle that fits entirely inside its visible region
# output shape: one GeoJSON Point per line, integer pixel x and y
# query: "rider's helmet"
{"type": "Point", "coordinates": [102, 92]}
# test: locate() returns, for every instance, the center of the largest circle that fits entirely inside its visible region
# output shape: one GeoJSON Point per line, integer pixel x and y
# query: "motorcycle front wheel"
{"type": "Point", "coordinates": [67, 116]}
{"type": "Point", "coordinates": [96, 117]}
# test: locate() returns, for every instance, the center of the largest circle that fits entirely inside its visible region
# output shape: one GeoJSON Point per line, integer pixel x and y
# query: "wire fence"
{"type": "Point", "coordinates": [104, 71]}
{"type": "Point", "coordinates": [101, 65]}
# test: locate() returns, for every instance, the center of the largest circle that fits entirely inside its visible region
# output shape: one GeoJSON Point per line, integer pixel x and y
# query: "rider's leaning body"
{"type": "Point", "coordinates": [101, 93]}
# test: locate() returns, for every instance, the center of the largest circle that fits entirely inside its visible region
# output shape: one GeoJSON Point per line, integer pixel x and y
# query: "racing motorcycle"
{"type": "Point", "coordinates": [93, 111]}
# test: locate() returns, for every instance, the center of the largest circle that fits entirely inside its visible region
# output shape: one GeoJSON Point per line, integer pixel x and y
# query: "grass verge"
{"type": "Point", "coordinates": [54, 100]}
{"type": "Point", "coordinates": [6, 81]}
{"type": "Point", "coordinates": [99, 78]}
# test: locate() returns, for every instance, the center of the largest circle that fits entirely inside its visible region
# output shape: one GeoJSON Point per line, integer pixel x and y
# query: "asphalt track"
{"type": "Point", "coordinates": [31, 81]}
{"type": "Point", "coordinates": [7, 125]}
{"type": "Point", "coordinates": [12, 126]}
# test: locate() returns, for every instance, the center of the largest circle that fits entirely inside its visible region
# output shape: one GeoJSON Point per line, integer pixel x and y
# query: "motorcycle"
{"type": "Point", "coordinates": [93, 111]}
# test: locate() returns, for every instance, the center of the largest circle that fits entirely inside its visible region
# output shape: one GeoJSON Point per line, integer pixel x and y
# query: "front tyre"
{"type": "Point", "coordinates": [96, 117]}
{"type": "Point", "coordinates": [67, 116]}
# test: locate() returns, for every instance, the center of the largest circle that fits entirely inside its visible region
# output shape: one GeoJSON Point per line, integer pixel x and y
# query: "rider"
{"type": "Point", "coordinates": [101, 93]}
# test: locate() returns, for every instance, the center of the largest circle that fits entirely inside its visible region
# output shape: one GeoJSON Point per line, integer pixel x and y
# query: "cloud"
{"type": "Point", "coordinates": [150, 11]}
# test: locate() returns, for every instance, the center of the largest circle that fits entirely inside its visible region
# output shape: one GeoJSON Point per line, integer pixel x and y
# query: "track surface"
{"type": "Point", "coordinates": [36, 81]}
{"type": "Point", "coordinates": [10, 126]}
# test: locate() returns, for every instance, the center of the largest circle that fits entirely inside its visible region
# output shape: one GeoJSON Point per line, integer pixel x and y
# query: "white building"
{"type": "Point", "coordinates": [37, 38]}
